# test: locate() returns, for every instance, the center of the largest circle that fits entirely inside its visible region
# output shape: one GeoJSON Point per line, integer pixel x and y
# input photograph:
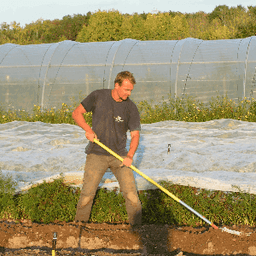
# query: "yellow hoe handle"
{"type": "Point", "coordinates": [156, 184]}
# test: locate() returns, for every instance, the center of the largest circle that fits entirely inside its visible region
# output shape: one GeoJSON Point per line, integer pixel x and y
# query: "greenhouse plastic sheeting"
{"type": "Point", "coordinates": [51, 74]}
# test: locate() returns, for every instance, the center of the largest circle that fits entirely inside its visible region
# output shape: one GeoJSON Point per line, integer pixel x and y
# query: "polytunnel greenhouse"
{"type": "Point", "coordinates": [51, 74]}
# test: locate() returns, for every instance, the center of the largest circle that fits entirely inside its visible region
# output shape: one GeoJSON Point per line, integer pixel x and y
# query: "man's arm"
{"type": "Point", "coordinates": [135, 138]}
{"type": "Point", "coordinates": [77, 115]}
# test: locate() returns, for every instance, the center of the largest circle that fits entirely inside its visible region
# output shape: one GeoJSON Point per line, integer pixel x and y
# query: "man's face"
{"type": "Point", "coordinates": [124, 91]}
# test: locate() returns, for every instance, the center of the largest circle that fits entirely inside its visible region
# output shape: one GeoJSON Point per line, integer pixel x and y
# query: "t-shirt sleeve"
{"type": "Point", "coordinates": [89, 102]}
{"type": "Point", "coordinates": [134, 119]}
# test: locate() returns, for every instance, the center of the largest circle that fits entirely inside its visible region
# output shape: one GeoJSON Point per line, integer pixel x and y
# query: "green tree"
{"type": "Point", "coordinates": [70, 26]}
{"type": "Point", "coordinates": [198, 25]}
{"type": "Point", "coordinates": [220, 13]}
{"type": "Point", "coordinates": [33, 33]}
{"type": "Point", "coordinates": [237, 16]}
{"type": "Point", "coordinates": [163, 26]}
{"type": "Point", "coordinates": [41, 31]}
{"type": "Point", "coordinates": [133, 27]}
{"type": "Point", "coordinates": [11, 33]}
{"type": "Point", "coordinates": [103, 26]}
{"type": "Point", "coordinates": [247, 26]}
{"type": "Point", "coordinates": [4, 37]}
{"type": "Point", "coordinates": [225, 21]}
{"type": "Point", "coordinates": [218, 31]}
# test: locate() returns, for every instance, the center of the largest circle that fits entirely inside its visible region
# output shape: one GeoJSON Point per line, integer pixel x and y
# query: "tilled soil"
{"type": "Point", "coordinates": [27, 238]}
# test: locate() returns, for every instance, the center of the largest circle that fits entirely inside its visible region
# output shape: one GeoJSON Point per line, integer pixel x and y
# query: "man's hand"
{"type": "Point", "coordinates": [127, 162]}
{"type": "Point", "coordinates": [91, 136]}
{"type": "Point", "coordinates": [77, 115]}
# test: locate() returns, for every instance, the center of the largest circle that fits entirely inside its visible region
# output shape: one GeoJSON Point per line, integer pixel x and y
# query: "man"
{"type": "Point", "coordinates": [113, 114]}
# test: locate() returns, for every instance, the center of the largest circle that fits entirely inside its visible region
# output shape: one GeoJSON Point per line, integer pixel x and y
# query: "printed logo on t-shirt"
{"type": "Point", "coordinates": [118, 119]}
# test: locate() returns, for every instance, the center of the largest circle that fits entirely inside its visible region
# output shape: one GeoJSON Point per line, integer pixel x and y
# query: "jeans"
{"type": "Point", "coordinates": [95, 168]}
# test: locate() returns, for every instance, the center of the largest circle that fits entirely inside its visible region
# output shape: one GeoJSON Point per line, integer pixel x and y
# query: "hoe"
{"type": "Point", "coordinates": [168, 192]}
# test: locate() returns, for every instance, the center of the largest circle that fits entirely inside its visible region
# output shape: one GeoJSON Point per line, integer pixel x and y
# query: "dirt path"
{"type": "Point", "coordinates": [26, 238]}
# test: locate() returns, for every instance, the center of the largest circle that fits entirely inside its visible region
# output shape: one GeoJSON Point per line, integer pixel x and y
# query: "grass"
{"type": "Point", "coordinates": [49, 202]}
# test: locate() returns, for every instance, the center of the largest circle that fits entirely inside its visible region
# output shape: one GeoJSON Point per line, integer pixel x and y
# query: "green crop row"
{"type": "Point", "coordinates": [56, 201]}
{"type": "Point", "coordinates": [191, 110]}
{"type": "Point", "coordinates": [180, 109]}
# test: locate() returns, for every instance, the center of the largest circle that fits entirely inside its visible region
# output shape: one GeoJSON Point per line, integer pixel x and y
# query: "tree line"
{"type": "Point", "coordinates": [222, 23]}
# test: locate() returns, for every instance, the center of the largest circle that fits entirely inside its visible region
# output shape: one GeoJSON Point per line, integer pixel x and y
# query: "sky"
{"type": "Point", "coordinates": [28, 11]}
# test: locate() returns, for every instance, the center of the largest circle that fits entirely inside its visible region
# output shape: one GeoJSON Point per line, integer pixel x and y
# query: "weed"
{"type": "Point", "coordinates": [48, 202]}
{"type": "Point", "coordinates": [7, 204]}
{"type": "Point", "coordinates": [108, 207]}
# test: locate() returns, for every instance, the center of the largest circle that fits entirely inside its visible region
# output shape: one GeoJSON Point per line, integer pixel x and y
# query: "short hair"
{"type": "Point", "coordinates": [121, 76]}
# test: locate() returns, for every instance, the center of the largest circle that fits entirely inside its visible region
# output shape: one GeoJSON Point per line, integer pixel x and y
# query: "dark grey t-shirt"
{"type": "Point", "coordinates": [110, 121]}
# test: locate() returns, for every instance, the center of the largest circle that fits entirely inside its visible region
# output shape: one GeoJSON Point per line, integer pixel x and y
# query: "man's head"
{"type": "Point", "coordinates": [124, 75]}
{"type": "Point", "coordinates": [124, 83]}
